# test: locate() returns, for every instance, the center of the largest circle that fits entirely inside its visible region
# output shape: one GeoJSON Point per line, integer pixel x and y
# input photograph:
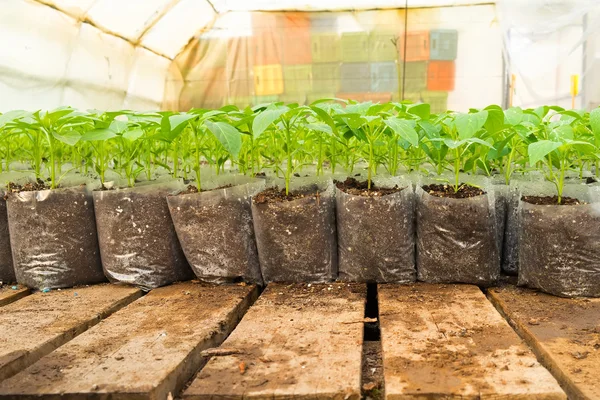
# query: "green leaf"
{"type": "Point", "coordinates": [11, 116]}
{"type": "Point", "coordinates": [595, 123]}
{"type": "Point", "coordinates": [538, 150]}
{"type": "Point", "coordinates": [320, 127]}
{"type": "Point", "coordinates": [404, 129]}
{"type": "Point", "coordinates": [133, 134]}
{"type": "Point", "coordinates": [98, 134]}
{"type": "Point", "coordinates": [467, 125]}
{"type": "Point", "coordinates": [495, 119]}
{"type": "Point", "coordinates": [422, 110]}
{"type": "Point", "coordinates": [265, 118]}
{"type": "Point", "coordinates": [513, 116]}
{"type": "Point", "coordinates": [230, 138]}
{"type": "Point", "coordinates": [325, 117]}
{"type": "Point", "coordinates": [70, 137]}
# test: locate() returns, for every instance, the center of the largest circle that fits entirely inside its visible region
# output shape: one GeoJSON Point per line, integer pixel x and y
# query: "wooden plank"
{"type": "Point", "coordinates": [147, 350]}
{"type": "Point", "coordinates": [38, 324]}
{"type": "Point", "coordinates": [297, 341]}
{"type": "Point", "coordinates": [448, 341]}
{"type": "Point", "coordinates": [11, 293]}
{"type": "Point", "coordinates": [563, 333]}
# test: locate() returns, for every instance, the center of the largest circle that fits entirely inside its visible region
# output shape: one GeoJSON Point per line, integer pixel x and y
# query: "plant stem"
{"type": "Point", "coordinates": [288, 170]}
{"type": "Point", "coordinates": [456, 169]}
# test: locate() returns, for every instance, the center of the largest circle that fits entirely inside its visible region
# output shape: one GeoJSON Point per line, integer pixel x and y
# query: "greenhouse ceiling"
{"type": "Point", "coordinates": [165, 26]}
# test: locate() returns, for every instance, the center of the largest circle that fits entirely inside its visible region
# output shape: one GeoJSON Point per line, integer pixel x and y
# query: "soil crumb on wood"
{"type": "Point", "coordinates": [27, 187]}
{"type": "Point", "coordinates": [276, 195]}
{"type": "Point", "coordinates": [354, 187]}
{"type": "Point", "coordinates": [372, 371]}
{"type": "Point", "coordinates": [551, 201]}
{"type": "Point", "coordinates": [464, 191]}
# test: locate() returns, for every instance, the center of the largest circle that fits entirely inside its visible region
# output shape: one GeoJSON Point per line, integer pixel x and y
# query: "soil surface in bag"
{"type": "Point", "coordinates": [295, 235]}
{"type": "Point", "coordinates": [7, 273]}
{"type": "Point", "coordinates": [53, 238]}
{"type": "Point", "coordinates": [559, 248]}
{"type": "Point", "coordinates": [456, 236]}
{"type": "Point", "coordinates": [375, 233]}
{"type": "Point", "coordinates": [137, 238]}
{"type": "Point", "coordinates": [216, 233]}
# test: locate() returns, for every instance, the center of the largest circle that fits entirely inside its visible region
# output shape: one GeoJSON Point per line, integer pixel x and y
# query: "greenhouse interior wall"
{"type": "Point", "coordinates": [181, 54]}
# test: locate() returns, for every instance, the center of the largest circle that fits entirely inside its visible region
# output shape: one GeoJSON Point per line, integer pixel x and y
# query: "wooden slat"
{"type": "Point", "coordinates": [564, 334]}
{"type": "Point", "coordinates": [448, 341]}
{"type": "Point", "coordinates": [9, 295]}
{"type": "Point", "coordinates": [147, 350]}
{"type": "Point", "coordinates": [297, 341]}
{"type": "Point", "coordinates": [37, 324]}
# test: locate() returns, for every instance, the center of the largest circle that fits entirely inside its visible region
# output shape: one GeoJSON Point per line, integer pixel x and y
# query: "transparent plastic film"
{"type": "Point", "coordinates": [457, 239]}
{"type": "Point", "coordinates": [215, 229]}
{"type": "Point", "coordinates": [53, 238]}
{"type": "Point", "coordinates": [558, 244]}
{"type": "Point", "coordinates": [376, 234]}
{"type": "Point", "coordinates": [138, 242]}
{"type": "Point", "coordinates": [296, 239]}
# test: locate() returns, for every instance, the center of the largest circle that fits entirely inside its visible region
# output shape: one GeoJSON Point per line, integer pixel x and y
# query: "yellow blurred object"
{"type": "Point", "coordinates": [268, 79]}
{"type": "Point", "coordinates": [574, 85]}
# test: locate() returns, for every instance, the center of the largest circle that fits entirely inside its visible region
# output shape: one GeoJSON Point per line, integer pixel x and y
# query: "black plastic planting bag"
{"type": "Point", "coordinates": [376, 236]}
{"type": "Point", "coordinates": [216, 232]}
{"type": "Point", "coordinates": [53, 238]}
{"type": "Point", "coordinates": [560, 245]}
{"type": "Point", "coordinates": [7, 272]}
{"type": "Point", "coordinates": [457, 239]}
{"type": "Point", "coordinates": [138, 242]}
{"type": "Point", "coordinates": [296, 239]}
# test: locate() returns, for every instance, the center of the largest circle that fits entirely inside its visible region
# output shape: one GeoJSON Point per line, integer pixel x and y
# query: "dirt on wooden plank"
{"type": "Point", "coordinates": [296, 341]}
{"type": "Point", "coordinates": [448, 341]}
{"type": "Point", "coordinates": [10, 293]}
{"type": "Point", "coordinates": [564, 333]}
{"type": "Point", "coordinates": [37, 324]}
{"type": "Point", "coordinates": [372, 371]}
{"type": "Point", "coordinates": [149, 349]}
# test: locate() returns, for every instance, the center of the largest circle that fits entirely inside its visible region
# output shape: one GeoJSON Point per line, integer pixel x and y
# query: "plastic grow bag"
{"type": "Point", "coordinates": [216, 232]}
{"type": "Point", "coordinates": [376, 241]}
{"type": "Point", "coordinates": [137, 239]}
{"type": "Point", "coordinates": [53, 238]}
{"type": "Point", "coordinates": [457, 239]}
{"type": "Point", "coordinates": [7, 272]}
{"type": "Point", "coordinates": [296, 239]}
{"type": "Point", "coordinates": [559, 245]}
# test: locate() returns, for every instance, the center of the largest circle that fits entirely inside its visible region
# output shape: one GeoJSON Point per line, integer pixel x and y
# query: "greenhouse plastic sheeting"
{"type": "Point", "coordinates": [246, 57]}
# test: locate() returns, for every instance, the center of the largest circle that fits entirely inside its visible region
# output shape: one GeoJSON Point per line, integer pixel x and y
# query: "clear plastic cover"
{"type": "Point", "coordinates": [53, 238]}
{"type": "Point", "coordinates": [296, 239]}
{"type": "Point", "coordinates": [215, 229]}
{"type": "Point", "coordinates": [457, 239]}
{"type": "Point", "coordinates": [138, 242]}
{"type": "Point", "coordinates": [559, 244]}
{"type": "Point", "coordinates": [376, 240]}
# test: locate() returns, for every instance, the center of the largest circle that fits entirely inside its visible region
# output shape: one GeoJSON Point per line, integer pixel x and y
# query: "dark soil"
{"type": "Point", "coordinates": [260, 175]}
{"type": "Point", "coordinates": [464, 191]}
{"type": "Point", "coordinates": [275, 195]}
{"type": "Point", "coordinates": [591, 180]}
{"type": "Point", "coordinates": [27, 187]}
{"type": "Point", "coordinates": [372, 371]}
{"type": "Point", "coordinates": [357, 188]}
{"type": "Point", "coordinates": [193, 189]}
{"type": "Point", "coordinates": [551, 201]}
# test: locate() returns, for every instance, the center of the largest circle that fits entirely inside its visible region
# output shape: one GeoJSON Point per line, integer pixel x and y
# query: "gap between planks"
{"type": "Point", "coordinates": [448, 341]}
{"type": "Point", "coordinates": [9, 295]}
{"type": "Point", "coordinates": [148, 350]}
{"type": "Point", "coordinates": [563, 333]}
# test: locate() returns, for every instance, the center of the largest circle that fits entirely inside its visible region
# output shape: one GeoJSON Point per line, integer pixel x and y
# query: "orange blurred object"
{"type": "Point", "coordinates": [417, 46]}
{"type": "Point", "coordinates": [441, 75]}
{"type": "Point", "coordinates": [295, 46]}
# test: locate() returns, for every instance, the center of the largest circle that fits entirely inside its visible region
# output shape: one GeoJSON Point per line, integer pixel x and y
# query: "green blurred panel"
{"type": "Point", "coordinates": [293, 98]}
{"type": "Point", "coordinates": [325, 47]}
{"type": "Point", "coordinates": [312, 97]}
{"type": "Point", "coordinates": [326, 77]}
{"type": "Point", "coordinates": [443, 44]}
{"type": "Point", "coordinates": [381, 47]}
{"type": "Point", "coordinates": [355, 77]}
{"type": "Point", "coordinates": [437, 100]}
{"type": "Point", "coordinates": [355, 47]}
{"type": "Point", "coordinates": [297, 79]}
{"type": "Point", "coordinates": [240, 102]}
{"type": "Point", "coordinates": [415, 79]}
{"type": "Point", "coordinates": [265, 99]}
{"type": "Point", "coordinates": [415, 97]}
